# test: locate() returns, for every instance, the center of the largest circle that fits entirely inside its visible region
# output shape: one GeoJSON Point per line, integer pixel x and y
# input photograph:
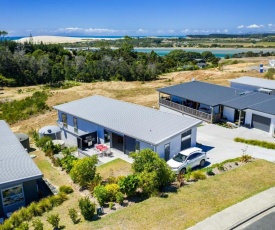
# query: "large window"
{"type": "Point", "coordinates": [64, 120]}
{"type": "Point", "coordinates": [137, 146]}
{"type": "Point", "coordinates": [12, 195]}
{"type": "Point", "coordinates": [75, 124]}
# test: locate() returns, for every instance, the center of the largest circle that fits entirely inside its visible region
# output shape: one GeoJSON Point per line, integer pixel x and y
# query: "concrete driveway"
{"type": "Point", "coordinates": [219, 143]}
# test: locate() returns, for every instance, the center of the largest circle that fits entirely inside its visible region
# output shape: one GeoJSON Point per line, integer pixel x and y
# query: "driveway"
{"type": "Point", "coordinates": [219, 143]}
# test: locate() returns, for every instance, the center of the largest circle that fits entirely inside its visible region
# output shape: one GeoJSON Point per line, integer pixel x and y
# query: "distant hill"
{"type": "Point", "coordinates": [263, 35]}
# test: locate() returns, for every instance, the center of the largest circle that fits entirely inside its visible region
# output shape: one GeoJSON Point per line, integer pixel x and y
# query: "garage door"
{"type": "Point", "coordinates": [260, 122]}
{"type": "Point", "coordinates": [185, 144]}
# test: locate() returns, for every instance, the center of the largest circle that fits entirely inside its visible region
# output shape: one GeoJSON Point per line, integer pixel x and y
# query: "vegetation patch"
{"type": "Point", "coordinates": [15, 111]}
{"type": "Point", "coordinates": [263, 144]}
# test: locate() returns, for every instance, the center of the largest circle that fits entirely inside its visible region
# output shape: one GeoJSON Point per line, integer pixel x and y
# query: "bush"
{"type": "Point", "coordinates": [15, 220]}
{"type": "Point", "coordinates": [83, 170]}
{"type": "Point", "coordinates": [34, 209]}
{"type": "Point", "coordinates": [129, 184]}
{"type": "Point", "coordinates": [73, 215]}
{"type": "Point", "coordinates": [101, 194]}
{"type": "Point", "coordinates": [111, 205]}
{"type": "Point", "coordinates": [245, 158]}
{"type": "Point", "coordinates": [209, 172]}
{"type": "Point", "coordinates": [263, 144]}
{"type": "Point", "coordinates": [23, 226]}
{"type": "Point", "coordinates": [67, 162]}
{"type": "Point", "coordinates": [95, 182]}
{"type": "Point", "coordinates": [54, 220]}
{"type": "Point", "coordinates": [198, 175]}
{"type": "Point", "coordinates": [112, 190]}
{"type": "Point", "coordinates": [37, 224]}
{"type": "Point", "coordinates": [66, 189]}
{"type": "Point", "coordinates": [87, 208]}
{"type": "Point", "coordinates": [24, 214]}
{"type": "Point", "coordinates": [45, 205]}
{"type": "Point", "coordinates": [119, 197]}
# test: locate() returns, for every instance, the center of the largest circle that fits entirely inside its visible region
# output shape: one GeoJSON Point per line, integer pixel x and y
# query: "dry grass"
{"type": "Point", "coordinates": [117, 167]}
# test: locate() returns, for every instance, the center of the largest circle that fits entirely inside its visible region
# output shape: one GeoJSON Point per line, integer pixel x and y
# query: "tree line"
{"type": "Point", "coordinates": [31, 64]}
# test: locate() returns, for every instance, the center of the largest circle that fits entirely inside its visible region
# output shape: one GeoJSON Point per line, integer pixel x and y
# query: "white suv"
{"type": "Point", "coordinates": [191, 157]}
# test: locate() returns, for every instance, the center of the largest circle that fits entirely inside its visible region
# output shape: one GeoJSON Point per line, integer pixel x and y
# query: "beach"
{"type": "Point", "coordinates": [51, 39]}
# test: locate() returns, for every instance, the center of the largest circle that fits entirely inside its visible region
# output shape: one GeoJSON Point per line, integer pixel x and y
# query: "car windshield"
{"type": "Point", "coordinates": [179, 157]}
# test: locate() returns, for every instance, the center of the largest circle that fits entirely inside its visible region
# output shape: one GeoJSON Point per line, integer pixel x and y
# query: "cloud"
{"type": "Point", "coordinates": [171, 31]}
{"type": "Point", "coordinates": [226, 31]}
{"type": "Point", "coordinates": [254, 26]}
{"type": "Point", "coordinates": [86, 30]}
{"type": "Point", "coordinates": [185, 31]}
{"type": "Point", "coordinates": [241, 26]}
{"type": "Point", "coordinates": [142, 31]}
{"type": "Point", "coordinates": [270, 25]}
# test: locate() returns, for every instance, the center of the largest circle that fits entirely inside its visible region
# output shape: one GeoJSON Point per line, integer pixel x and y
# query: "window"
{"type": "Point", "coordinates": [185, 134]}
{"type": "Point", "coordinates": [64, 120]}
{"type": "Point", "coordinates": [167, 151]}
{"type": "Point", "coordinates": [12, 195]}
{"type": "Point", "coordinates": [75, 124]}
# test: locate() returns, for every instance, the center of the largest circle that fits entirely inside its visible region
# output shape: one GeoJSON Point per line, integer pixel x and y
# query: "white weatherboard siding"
{"type": "Point", "coordinates": [229, 113]}
{"type": "Point", "coordinates": [175, 144]}
{"type": "Point", "coordinates": [250, 112]}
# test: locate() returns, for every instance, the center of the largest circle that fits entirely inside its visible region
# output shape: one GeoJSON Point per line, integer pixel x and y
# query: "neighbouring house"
{"type": "Point", "coordinates": [201, 63]}
{"type": "Point", "coordinates": [18, 173]}
{"type": "Point", "coordinates": [124, 126]}
{"type": "Point", "coordinates": [212, 103]}
{"type": "Point", "coordinates": [254, 84]}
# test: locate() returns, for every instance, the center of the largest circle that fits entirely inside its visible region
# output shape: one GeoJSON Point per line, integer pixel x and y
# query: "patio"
{"type": "Point", "coordinates": [105, 158]}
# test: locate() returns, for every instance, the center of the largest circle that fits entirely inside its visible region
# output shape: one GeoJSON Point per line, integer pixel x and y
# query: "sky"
{"type": "Point", "coordinates": [135, 17]}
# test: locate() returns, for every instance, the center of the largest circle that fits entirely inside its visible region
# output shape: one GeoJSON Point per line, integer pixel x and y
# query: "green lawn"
{"type": "Point", "coordinates": [192, 203]}
{"type": "Point", "coordinates": [117, 167]}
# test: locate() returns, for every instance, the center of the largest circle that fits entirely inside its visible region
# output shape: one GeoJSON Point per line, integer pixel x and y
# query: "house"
{"type": "Point", "coordinates": [212, 103]}
{"type": "Point", "coordinates": [18, 173]}
{"type": "Point", "coordinates": [201, 63]}
{"type": "Point", "coordinates": [124, 126]}
{"type": "Point", "coordinates": [254, 84]}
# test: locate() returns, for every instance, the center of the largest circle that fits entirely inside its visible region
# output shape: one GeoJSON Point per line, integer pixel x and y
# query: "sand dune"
{"type": "Point", "coordinates": [51, 39]}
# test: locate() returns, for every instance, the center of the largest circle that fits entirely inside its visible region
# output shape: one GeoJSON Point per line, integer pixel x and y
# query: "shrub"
{"type": "Point", "coordinates": [34, 209]}
{"type": "Point", "coordinates": [220, 167]}
{"type": "Point", "coordinates": [101, 194]}
{"type": "Point", "coordinates": [45, 205]}
{"type": "Point", "coordinates": [112, 190]}
{"type": "Point", "coordinates": [198, 175]}
{"type": "Point", "coordinates": [264, 144]}
{"type": "Point", "coordinates": [54, 220]}
{"type": "Point", "coordinates": [111, 205]}
{"type": "Point", "coordinates": [209, 172]}
{"type": "Point", "coordinates": [73, 215]}
{"type": "Point", "coordinates": [23, 226]}
{"type": "Point", "coordinates": [129, 184]}
{"type": "Point", "coordinates": [87, 208]}
{"type": "Point", "coordinates": [24, 214]}
{"type": "Point", "coordinates": [119, 197]}
{"type": "Point", "coordinates": [66, 189]}
{"type": "Point", "coordinates": [67, 162]}
{"type": "Point", "coordinates": [95, 182]}
{"type": "Point", "coordinates": [245, 158]}
{"type": "Point", "coordinates": [83, 170]}
{"type": "Point", "coordinates": [15, 220]}
{"type": "Point", "coordinates": [37, 224]}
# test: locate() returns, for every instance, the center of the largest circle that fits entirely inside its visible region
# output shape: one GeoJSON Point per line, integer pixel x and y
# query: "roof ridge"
{"type": "Point", "coordinates": [252, 93]}
{"type": "Point", "coordinates": [262, 101]}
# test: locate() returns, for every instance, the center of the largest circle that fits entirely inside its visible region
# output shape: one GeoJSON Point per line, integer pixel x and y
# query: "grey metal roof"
{"type": "Point", "coordinates": [247, 100]}
{"type": "Point", "coordinates": [254, 81]}
{"type": "Point", "coordinates": [265, 107]}
{"type": "Point", "coordinates": [15, 163]}
{"type": "Point", "coordinates": [202, 92]}
{"type": "Point", "coordinates": [146, 124]}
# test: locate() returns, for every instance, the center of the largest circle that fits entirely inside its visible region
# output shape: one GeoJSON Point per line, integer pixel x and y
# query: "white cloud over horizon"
{"type": "Point", "coordinates": [240, 27]}
{"type": "Point", "coordinates": [254, 26]}
{"type": "Point", "coordinates": [86, 30]}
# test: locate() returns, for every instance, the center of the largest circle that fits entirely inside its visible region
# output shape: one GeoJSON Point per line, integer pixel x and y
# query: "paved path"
{"type": "Point", "coordinates": [234, 216]}
{"type": "Point", "coordinates": [220, 145]}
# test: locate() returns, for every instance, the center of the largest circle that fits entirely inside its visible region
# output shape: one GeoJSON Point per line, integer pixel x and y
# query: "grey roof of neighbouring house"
{"type": "Point", "coordinates": [212, 95]}
{"type": "Point", "coordinates": [254, 81]}
{"type": "Point", "coordinates": [146, 124]}
{"type": "Point", "coordinates": [202, 92]}
{"type": "Point", "coordinates": [16, 166]}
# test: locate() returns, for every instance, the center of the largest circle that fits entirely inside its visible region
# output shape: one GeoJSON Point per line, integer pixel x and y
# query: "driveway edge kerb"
{"type": "Point", "coordinates": [238, 224]}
